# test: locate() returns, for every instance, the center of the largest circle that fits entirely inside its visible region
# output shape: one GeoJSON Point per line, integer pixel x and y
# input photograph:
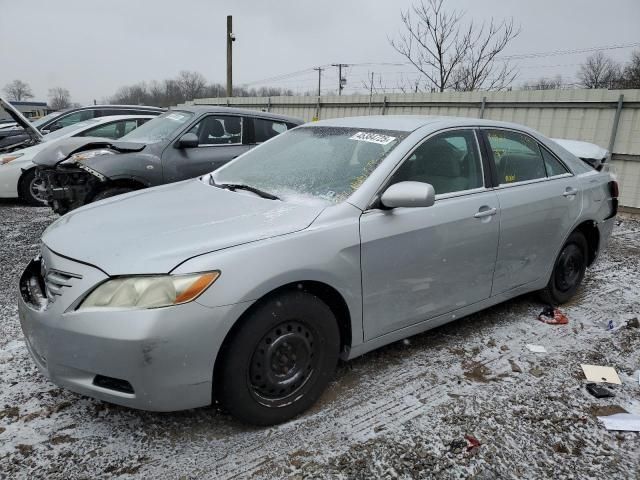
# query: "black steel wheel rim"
{"type": "Point", "coordinates": [282, 363]}
{"type": "Point", "coordinates": [569, 267]}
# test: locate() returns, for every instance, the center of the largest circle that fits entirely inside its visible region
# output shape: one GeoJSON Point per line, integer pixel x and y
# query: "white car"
{"type": "Point", "coordinates": [591, 153]}
{"type": "Point", "coordinates": [17, 171]}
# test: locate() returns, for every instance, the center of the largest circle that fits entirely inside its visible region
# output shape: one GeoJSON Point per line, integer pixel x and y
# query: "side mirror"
{"type": "Point", "coordinates": [53, 127]}
{"type": "Point", "coordinates": [188, 140]}
{"type": "Point", "coordinates": [409, 194]}
{"type": "Point", "coordinates": [45, 131]}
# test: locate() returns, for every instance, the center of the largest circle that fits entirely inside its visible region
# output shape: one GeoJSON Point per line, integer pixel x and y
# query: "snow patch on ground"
{"type": "Point", "coordinates": [399, 412]}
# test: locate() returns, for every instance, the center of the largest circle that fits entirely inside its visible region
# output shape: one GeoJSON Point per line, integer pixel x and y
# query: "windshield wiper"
{"type": "Point", "coordinates": [241, 186]}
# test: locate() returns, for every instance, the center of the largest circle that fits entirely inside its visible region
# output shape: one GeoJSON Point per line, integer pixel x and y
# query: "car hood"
{"type": "Point", "coordinates": [63, 149]}
{"type": "Point", "coordinates": [21, 120]}
{"type": "Point", "coordinates": [154, 230]}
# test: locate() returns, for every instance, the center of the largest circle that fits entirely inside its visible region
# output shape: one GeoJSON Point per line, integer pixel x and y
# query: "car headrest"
{"type": "Point", "coordinates": [211, 128]}
{"type": "Point", "coordinates": [438, 161]}
{"type": "Point", "coordinates": [233, 125]}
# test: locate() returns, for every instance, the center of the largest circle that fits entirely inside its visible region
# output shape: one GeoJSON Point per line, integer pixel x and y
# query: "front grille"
{"type": "Point", "coordinates": [56, 281]}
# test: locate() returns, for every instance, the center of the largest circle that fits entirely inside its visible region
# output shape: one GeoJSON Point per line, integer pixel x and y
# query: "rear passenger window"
{"type": "Point", "coordinates": [449, 161]}
{"type": "Point", "coordinates": [552, 164]}
{"type": "Point", "coordinates": [266, 129]}
{"type": "Point", "coordinates": [517, 157]}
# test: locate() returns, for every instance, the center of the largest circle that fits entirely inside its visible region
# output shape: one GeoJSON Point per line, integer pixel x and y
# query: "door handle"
{"type": "Point", "coordinates": [570, 191]}
{"type": "Point", "coordinates": [486, 213]}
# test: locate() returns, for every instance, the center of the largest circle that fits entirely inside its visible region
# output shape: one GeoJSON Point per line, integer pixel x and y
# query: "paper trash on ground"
{"type": "Point", "coordinates": [536, 348]}
{"type": "Point", "coordinates": [621, 421]}
{"type": "Point", "coordinates": [597, 373]}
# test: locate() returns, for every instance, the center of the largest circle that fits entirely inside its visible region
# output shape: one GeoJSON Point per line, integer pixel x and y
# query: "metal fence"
{"type": "Point", "coordinates": [609, 118]}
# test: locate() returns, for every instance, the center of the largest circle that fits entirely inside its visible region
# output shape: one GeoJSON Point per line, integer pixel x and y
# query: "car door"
{"type": "Point", "coordinates": [539, 203]}
{"type": "Point", "coordinates": [418, 263]}
{"type": "Point", "coordinates": [221, 138]}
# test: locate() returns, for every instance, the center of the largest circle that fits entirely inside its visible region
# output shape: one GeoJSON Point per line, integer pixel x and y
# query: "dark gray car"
{"type": "Point", "coordinates": [177, 145]}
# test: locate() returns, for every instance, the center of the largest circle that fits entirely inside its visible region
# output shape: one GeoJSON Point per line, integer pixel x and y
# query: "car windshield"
{"type": "Point", "coordinates": [41, 121]}
{"type": "Point", "coordinates": [159, 128]}
{"type": "Point", "coordinates": [316, 163]}
{"type": "Point", "coordinates": [70, 129]}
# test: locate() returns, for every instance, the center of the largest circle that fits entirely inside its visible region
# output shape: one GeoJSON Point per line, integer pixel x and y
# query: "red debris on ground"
{"type": "Point", "coordinates": [553, 316]}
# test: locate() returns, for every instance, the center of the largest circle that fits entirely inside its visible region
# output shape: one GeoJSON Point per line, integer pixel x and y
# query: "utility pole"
{"type": "Point", "coordinates": [370, 93]}
{"type": "Point", "coordinates": [230, 39]}
{"type": "Point", "coordinates": [341, 81]}
{"type": "Point", "coordinates": [319, 69]}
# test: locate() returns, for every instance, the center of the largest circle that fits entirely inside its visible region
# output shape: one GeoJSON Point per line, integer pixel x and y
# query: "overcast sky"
{"type": "Point", "coordinates": [91, 48]}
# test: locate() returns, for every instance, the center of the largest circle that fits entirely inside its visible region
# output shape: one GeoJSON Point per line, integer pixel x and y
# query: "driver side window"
{"type": "Point", "coordinates": [218, 130]}
{"type": "Point", "coordinates": [449, 161]}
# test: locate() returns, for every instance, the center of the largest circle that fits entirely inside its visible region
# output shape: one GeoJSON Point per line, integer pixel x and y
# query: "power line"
{"type": "Point", "coordinates": [521, 56]}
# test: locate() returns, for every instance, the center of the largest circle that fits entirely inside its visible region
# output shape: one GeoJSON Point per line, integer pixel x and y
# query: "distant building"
{"type": "Point", "coordinates": [31, 110]}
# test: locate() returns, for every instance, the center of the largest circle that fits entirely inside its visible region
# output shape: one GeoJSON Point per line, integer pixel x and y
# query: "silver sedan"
{"type": "Point", "coordinates": [247, 285]}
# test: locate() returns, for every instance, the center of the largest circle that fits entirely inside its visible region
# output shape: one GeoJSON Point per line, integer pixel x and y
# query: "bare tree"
{"type": "Point", "coordinates": [545, 84]}
{"type": "Point", "coordinates": [631, 73]}
{"type": "Point", "coordinates": [452, 54]}
{"type": "Point", "coordinates": [192, 84]}
{"type": "Point", "coordinates": [59, 98]}
{"type": "Point", "coordinates": [599, 71]}
{"type": "Point", "coordinates": [18, 90]}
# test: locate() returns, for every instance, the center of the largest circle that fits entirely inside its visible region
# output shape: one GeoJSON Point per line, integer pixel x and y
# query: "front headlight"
{"type": "Point", "coordinates": [87, 154]}
{"type": "Point", "coordinates": [141, 292]}
{"type": "Point", "coordinates": [10, 158]}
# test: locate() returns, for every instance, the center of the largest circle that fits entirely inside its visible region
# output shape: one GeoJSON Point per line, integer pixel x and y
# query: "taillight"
{"type": "Point", "coordinates": [613, 189]}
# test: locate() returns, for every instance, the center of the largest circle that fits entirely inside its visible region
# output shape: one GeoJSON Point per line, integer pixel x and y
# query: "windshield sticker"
{"type": "Point", "coordinates": [175, 116]}
{"type": "Point", "coordinates": [373, 138]}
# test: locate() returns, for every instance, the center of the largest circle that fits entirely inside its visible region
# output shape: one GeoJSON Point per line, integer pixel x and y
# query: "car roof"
{"type": "Point", "coordinates": [200, 109]}
{"type": "Point", "coordinates": [97, 107]}
{"type": "Point", "coordinates": [409, 123]}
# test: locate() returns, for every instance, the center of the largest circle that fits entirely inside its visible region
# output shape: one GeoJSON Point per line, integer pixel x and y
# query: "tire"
{"type": "Point", "coordinates": [26, 189]}
{"type": "Point", "coordinates": [279, 360]}
{"type": "Point", "coordinates": [568, 271]}
{"type": "Point", "coordinates": [111, 192]}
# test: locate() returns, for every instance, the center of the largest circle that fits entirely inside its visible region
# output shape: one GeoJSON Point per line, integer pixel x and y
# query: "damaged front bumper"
{"type": "Point", "coordinates": [155, 359]}
{"type": "Point", "coordinates": [67, 187]}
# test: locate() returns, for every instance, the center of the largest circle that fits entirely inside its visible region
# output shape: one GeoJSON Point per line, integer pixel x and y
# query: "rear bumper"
{"type": "Point", "coordinates": [165, 356]}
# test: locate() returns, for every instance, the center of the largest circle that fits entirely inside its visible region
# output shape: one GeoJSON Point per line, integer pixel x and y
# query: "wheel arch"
{"type": "Point", "coordinates": [589, 229]}
{"type": "Point", "coordinates": [325, 292]}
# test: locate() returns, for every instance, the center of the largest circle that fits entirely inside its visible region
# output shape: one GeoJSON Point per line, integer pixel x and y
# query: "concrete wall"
{"type": "Point", "coordinates": [587, 115]}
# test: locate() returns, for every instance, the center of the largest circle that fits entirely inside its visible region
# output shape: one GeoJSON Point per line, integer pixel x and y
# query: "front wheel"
{"type": "Point", "coordinates": [29, 189]}
{"type": "Point", "coordinates": [279, 360]}
{"type": "Point", "coordinates": [568, 271]}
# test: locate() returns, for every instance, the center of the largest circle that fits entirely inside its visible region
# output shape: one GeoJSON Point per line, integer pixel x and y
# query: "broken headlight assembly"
{"type": "Point", "coordinates": [143, 292]}
{"type": "Point", "coordinates": [10, 158]}
{"type": "Point", "coordinates": [87, 154]}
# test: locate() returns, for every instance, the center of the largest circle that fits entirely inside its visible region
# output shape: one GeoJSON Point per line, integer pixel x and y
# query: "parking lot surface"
{"type": "Point", "coordinates": [400, 412]}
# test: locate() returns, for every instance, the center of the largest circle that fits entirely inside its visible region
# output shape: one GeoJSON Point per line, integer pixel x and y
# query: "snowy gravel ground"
{"type": "Point", "coordinates": [399, 412]}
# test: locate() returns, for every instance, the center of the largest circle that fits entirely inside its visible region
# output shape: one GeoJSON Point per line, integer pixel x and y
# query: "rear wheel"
{"type": "Point", "coordinates": [568, 271]}
{"type": "Point", "coordinates": [111, 192]}
{"type": "Point", "coordinates": [279, 361]}
{"type": "Point", "coordinates": [29, 189]}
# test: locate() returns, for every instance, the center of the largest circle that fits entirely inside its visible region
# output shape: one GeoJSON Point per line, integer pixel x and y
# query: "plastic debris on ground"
{"type": "Point", "coordinates": [598, 373]}
{"type": "Point", "coordinates": [536, 348]}
{"type": "Point", "coordinates": [621, 421]}
{"type": "Point", "coordinates": [599, 391]}
{"type": "Point", "coordinates": [553, 316]}
{"type": "Point", "coordinates": [473, 443]}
